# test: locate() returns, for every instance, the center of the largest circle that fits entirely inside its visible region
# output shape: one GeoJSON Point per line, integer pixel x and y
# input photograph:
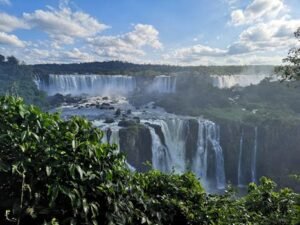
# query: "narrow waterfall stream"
{"type": "Point", "coordinates": [240, 166]}
{"type": "Point", "coordinates": [213, 134]}
{"type": "Point", "coordinates": [254, 158]}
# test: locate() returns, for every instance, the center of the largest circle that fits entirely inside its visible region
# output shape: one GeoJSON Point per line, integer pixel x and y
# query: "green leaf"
{"type": "Point", "coordinates": [74, 144]}
{"type": "Point", "coordinates": [80, 171]}
{"type": "Point", "coordinates": [48, 170]}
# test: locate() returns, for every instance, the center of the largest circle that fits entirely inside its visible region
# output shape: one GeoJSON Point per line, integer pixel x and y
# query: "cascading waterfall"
{"type": "Point", "coordinates": [163, 84]}
{"type": "Point", "coordinates": [174, 133]}
{"type": "Point", "coordinates": [114, 138]}
{"type": "Point", "coordinates": [240, 172]}
{"type": "Point", "coordinates": [159, 153]}
{"type": "Point", "coordinates": [200, 161]}
{"type": "Point", "coordinates": [214, 138]}
{"type": "Point", "coordinates": [247, 168]}
{"type": "Point", "coordinates": [173, 155]}
{"type": "Point", "coordinates": [254, 158]}
{"type": "Point", "coordinates": [228, 81]}
{"type": "Point", "coordinates": [87, 84]}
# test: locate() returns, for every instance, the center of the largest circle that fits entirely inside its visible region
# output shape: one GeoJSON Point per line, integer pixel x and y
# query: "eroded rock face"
{"type": "Point", "coordinates": [278, 151]}
{"type": "Point", "coordinates": [159, 132]}
{"type": "Point", "coordinates": [136, 142]}
{"type": "Point", "coordinates": [191, 139]}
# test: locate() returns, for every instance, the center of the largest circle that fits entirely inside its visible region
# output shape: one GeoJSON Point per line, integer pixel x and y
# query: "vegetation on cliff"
{"type": "Point", "coordinates": [17, 79]}
{"type": "Point", "coordinates": [291, 69]}
{"type": "Point", "coordinates": [58, 172]}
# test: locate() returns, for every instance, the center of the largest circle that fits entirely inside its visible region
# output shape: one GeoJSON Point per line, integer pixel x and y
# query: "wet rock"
{"type": "Point", "coordinates": [109, 120]}
{"type": "Point", "coordinates": [159, 132]}
{"type": "Point", "coordinates": [136, 119]}
{"type": "Point", "coordinates": [127, 123]}
{"type": "Point", "coordinates": [192, 127]}
{"type": "Point", "coordinates": [136, 142]}
{"type": "Point", "coordinates": [118, 112]}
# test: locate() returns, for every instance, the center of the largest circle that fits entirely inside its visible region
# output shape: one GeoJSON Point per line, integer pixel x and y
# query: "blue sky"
{"type": "Point", "coordinates": [180, 32]}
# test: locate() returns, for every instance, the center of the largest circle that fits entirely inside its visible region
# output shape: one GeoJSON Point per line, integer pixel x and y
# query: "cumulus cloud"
{"type": "Point", "coordinates": [195, 52]}
{"type": "Point", "coordinates": [261, 41]}
{"type": "Point", "coordinates": [11, 40]}
{"type": "Point", "coordinates": [257, 10]}
{"type": "Point", "coordinates": [9, 23]}
{"type": "Point", "coordinates": [63, 24]}
{"type": "Point", "coordinates": [270, 36]}
{"type": "Point", "coordinates": [127, 45]}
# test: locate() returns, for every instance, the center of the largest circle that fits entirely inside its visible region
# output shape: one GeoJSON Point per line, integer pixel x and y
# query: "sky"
{"type": "Point", "coordinates": [177, 32]}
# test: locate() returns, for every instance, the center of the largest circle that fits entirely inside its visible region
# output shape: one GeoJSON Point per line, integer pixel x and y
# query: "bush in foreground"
{"type": "Point", "coordinates": [57, 172]}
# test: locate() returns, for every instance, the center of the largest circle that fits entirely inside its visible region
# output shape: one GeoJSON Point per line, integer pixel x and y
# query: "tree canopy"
{"type": "Point", "coordinates": [291, 69]}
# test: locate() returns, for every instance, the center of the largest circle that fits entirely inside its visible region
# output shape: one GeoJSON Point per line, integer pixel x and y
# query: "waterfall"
{"type": "Point", "coordinates": [228, 81]}
{"type": "Point", "coordinates": [163, 84]}
{"type": "Point", "coordinates": [213, 135]}
{"type": "Point", "coordinates": [240, 174]}
{"type": "Point", "coordinates": [87, 84]}
{"type": "Point", "coordinates": [254, 158]}
{"type": "Point", "coordinates": [173, 155]}
{"type": "Point", "coordinates": [159, 153]}
{"type": "Point", "coordinates": [200, 161]}
{"type": "Point", "coordinates": [175, 137]}
{"type": "Point", "coordinates": [114, 138]}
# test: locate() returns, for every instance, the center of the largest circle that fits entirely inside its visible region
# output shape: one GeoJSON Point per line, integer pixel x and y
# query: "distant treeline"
{"type": "Point", "coordinates": [118, 67]}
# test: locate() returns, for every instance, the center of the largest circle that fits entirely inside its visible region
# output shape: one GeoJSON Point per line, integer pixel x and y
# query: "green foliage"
{"type": "Point", "coordinates": [18, 80]}
{"type": "Point", "coordinates": [54, 172]}
{"type": "Point", "coordinates": [291, 69]}
{"type": "Point", "coordinates": [266, 102]}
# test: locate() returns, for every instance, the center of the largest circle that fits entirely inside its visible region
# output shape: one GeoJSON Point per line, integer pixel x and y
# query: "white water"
{"type": "Point", "coordinates": [173, 158]}
{"type": "Point", "coordinates": [254, 158]}
{"type": "Point", "coordinates": [242, 168]}
{"type": "Point", "coordinates": [114, 138]}
{"type": "Point", "coordinates": [163, 84]}
{"type": "Point", "coordinates": [87, 84]}
{"type": "Point", "coordinates": [159, 153]}
{"type": "Point", "coordinates": [240, 172]}
{"type": "Point", "coordinates": [213, 135]}
{"type": "Point", "coordinates": [229, 81]}
{"type": "Point", "coordinates": [199, 165]}
{"type": "Point", "coordinates": [174, 133]}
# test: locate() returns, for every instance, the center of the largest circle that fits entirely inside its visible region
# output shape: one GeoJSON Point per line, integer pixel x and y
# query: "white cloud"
{"type": "Point", "coordinates": [196, 54]}
{"type": "Point", "coordinates": [127, 45]}
{"type": "Point", "coordinates": [257, 10]}
{"type": "Point", "coordinates": [9, 23]}
{"type": "Point", "coordinates": [64, 25]}
{"type": "Point", "coordinates": [265, 41]}
{"type": "Point", "coordinates": [198, 50]}
{"type": "Point", "coordinates": [270, 36]}
{"type": "Point", "coordinates": [5, 2]}
{"type": "Point", "coordinates": [11, 40]}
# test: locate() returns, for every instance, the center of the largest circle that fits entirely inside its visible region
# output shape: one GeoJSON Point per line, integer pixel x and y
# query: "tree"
{"type": "Point", "coordinates": [2, 59]}
{"type": "Point", "coordinates": [12, 60]}
{"type": "Point", "coordinates": [291, 70]}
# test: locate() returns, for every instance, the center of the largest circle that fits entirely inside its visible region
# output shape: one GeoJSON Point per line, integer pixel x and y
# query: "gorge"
{"type": "Point", "coordinates": [218, 150]}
